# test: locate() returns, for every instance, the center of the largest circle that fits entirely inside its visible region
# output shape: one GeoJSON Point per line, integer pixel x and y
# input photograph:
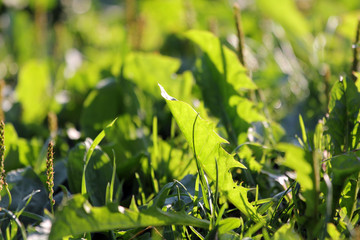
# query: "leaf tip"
{"type": "Point", "coordinates": [165, 95]}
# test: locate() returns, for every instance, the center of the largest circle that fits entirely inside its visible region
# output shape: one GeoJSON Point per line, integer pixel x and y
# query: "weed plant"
{"type": "Point", "coordinates": [195, 141]}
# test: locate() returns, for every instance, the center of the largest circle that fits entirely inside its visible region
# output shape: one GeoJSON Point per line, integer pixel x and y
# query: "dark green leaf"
{"type": "Point", "coordinates": [101, 106]}
{"type": "Point", "coordinates": [22, 183]}
{"type": "Point", "coordinates": [344, 109]}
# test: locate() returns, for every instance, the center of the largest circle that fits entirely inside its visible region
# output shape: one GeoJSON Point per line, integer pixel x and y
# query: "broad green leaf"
{"type": "Point", "coordinates": [222, 62]}
{"type": "Point", "coordinates": [228, 224]}
{"type": "Point", "coordinates": [222, 80]}
{"type": "Point", "coordinates": [78, 216]}
{"type": "Point", "coordinates": [75, 166]}
{"type": "Point", "coordinates": [131, 140]}
{"type": "Point", "coordinates": [97, 176]}
{"type": "Point", "coordinates": [343, 167]}
{"type": "Point", "coordinates": [101, 106]}
{"type": "Point", "coordinates": [12, 160]}
{"type": "Point", "coordinates": [161, 17]}
{"type": "Point", "coordinates": [208, 149]}
{"type": "Point", "coordinates": [23, 182]}
{"type": "Point", "coordinates": [24, 37]}
{"type": "Point", "coordinates": [301, 161]}
{"type": "Point", "coordinates": [90, 149]}
{"type": "Point", "coordinates": [171, 162]}
{"type": "Point", "coordinates": [286, 232]}
{"type": "Point", "coordinates": [344, 109]}
{"type": "Point", "coordinates": [333, 232]}
{"type": "Point", "coordinates": [146, 70]}
{"type": "Point", "coordinates": [348, 23]}
{"type": "Point", "coordinates": [19, 152]}
{"type": "Point", "coordinates": [33, 91]}
{"type": "Point", "coordinates": [285, 13]}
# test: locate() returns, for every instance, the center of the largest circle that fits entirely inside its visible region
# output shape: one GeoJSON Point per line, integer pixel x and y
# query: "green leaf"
{"type": "Point", "coordinates": [228, 224]}
{"type": "Point", "coordinates": [348, 199]}
{"type": "Point", "coordinates": [345, 165]}
{"type": "Point", "coordinates": [301, 161]}
{"type": "Point", "coordinates": [225, 62]}
{"type": "Point", "coordinates": [286, 232]}
{"type": "Point", "coordinates": [146, 70]}
{"type": "Point", "coordinates": [20, 152]}
{"type": "Point", "coordinates": [286, 13]}
{"type": "Point", "coordinates": [160, 21]}
{"type": "Point", "coordinates": [344, 109]}
{"type": "Point", "coordinates": [23, 183]}
{"type": "Point", "coordinates": [90, 150]}
{"type": "Point", "coordinates": [32, 91]}
{"type": "Point", "coordinates": [78, 216]}
{"type": "Point", "coordinates": [333, 232]}
{"type": "Point", "coordinates": [75, 166]}
{"type": "Point", "coordinates": [208, 149]}
{"type": "Point", "coordinates": [101, 106]}
{"type": "Point", "coordinates": [98, 175]}
{"type": "Point", "coordinates": [222, 80]}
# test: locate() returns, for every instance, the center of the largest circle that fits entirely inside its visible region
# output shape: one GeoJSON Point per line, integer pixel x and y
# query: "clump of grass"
{"type": "Point", "coordinates": [50, 174]}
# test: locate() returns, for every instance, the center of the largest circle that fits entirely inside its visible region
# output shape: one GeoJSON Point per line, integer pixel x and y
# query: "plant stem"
{"type": "Point", "coordinates": [3, 183]}
{"type": "Point", "coordinates": [356, 52]}
{"type": "Point", "coordinates": [240, 34]}
{"type": "Point", "coordinates": [50, 174]}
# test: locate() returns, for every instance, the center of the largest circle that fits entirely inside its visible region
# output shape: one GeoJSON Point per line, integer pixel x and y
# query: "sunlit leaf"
{"type": "Point", "coordinates": [301, 161]}
{"type": "Point", "coordinates": [286, 13]}
{"type": "Point", "coordinates": [79, 216]}
{"type": "Point", "coordinates": [33, 91]}
{"type": "Point", "coordinates": [286, 232]}
{"type": "Point", "coordinates": [222, 79]}
{"type": "Point", "coordinates": [147, 70]}
{"type": "Point", "coordinates": [208, 149]}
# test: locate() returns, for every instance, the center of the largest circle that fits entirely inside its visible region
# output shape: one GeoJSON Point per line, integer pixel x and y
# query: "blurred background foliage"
{"type": "Point", "coordinates": [88, 62]}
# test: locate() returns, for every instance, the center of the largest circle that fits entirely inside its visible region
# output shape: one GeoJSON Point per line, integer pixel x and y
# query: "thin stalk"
{"type": "Point", "coordinates": [356, 52]}
{"type": "Point", "coordinates": [155, 155]}
{"type": "Point", "coordinates": [2, 86]}
{"type": "Point", "coordinates": [240, 34]}
{"type": "Point", "coordinates": [52, 124]}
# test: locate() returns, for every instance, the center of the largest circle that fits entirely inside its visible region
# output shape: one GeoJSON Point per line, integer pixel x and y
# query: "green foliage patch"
{"type": "Point", "coordinates": [164, 128]}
